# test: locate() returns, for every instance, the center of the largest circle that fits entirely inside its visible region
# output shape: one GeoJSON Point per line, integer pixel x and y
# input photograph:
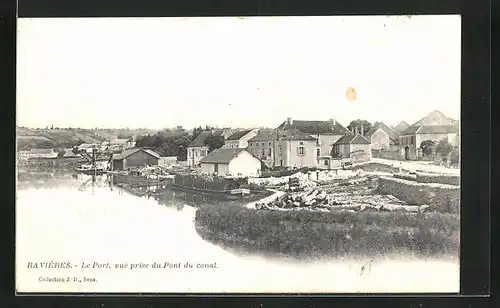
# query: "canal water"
{"type": "Point", "coordinates": [64, 217]}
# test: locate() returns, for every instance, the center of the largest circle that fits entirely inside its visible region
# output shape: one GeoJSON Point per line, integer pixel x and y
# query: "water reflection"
{"type": "Point", "coordinates": [77, 217]}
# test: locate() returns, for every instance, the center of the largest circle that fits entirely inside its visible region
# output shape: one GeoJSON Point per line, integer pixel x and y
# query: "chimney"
{"type": "Point", "coordinates": [362, 130]}
{"type": "Point", "coordinates": [333, 122]}
{"type": "Point", "coordinates": [355, 130]}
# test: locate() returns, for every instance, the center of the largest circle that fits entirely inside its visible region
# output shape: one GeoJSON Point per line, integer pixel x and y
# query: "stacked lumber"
{"type": "Point", "coordinates": [320, 200]}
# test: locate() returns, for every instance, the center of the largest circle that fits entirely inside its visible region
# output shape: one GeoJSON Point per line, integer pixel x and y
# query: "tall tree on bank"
{"type": "Point", "coordinates": [357, 124]}
{"type": "Point", "coordinates": [214, 141]}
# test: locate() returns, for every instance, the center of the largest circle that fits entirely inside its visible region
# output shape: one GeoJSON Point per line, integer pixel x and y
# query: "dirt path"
{"type": "Point", "coordinates": [414, 166]}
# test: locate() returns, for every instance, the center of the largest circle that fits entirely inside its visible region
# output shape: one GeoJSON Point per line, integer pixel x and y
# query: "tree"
{"type": "Point", "coordinates": [427, 146]}
{"type": "Point", "coordinates": [455, 157]}
{"type": "Point", "coordinates": [356, 124]}
{"type": "Point", "coordinates": [214, 142]}
{"type": "Point", "coordinates": [444, 147]}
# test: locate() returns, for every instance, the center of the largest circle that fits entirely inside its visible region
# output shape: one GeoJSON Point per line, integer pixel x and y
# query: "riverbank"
{"type": "Point", "coordinates": [306, 233]}
{"type": "Point", "coordinates": [314, 235]}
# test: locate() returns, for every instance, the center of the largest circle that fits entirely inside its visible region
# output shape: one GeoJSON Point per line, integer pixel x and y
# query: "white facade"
{"type": "Point", "coordinates": [195, 154]}
{"type": "Point", "coordinates": [244, 164]}
{"type": "Point", "coordinates": [241, 143]}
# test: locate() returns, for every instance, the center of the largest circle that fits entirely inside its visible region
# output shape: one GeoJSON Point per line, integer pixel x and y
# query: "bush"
{"type": "Point", "coordinates": [444, 147]}
{"type": "Point", "coordinates": [455, 157]}
{"type": "Point", "coordinates": [427, 147]}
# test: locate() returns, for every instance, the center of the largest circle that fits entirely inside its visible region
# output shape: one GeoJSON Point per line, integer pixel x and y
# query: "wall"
{"type": "Point", "coordinates": [244, 164]}
{"type": "Point", "coordinates": [392, 153]}
{"type": "Point", "coordinates": [194, 155]}
{"type": "Point", "coordinates": [209, 168]}
{"type": "Point", "coordinates": [333, 163]}
{"type": "Point", "coordinates": [291, 157]}
{"type": "Point", "coordinates": [438, 178]}
{"type": "Point", "coordinates": [139, 159]}
{"type": "Point", "coordinates": [167, 161]}
{"type": "Point", "coordinates": [326, 143]}
{"type": "Point", "coordinates": [441, 197]}
{"type": "Point", "coordinates": [231, 144]}
{"type": "Point", "coordinates": [256, 147]}
{"type": "Point", "coordinates": [118, 164]}
{"type": "Point", "coordinates": [380, 140]}
{"type": "Point", "coordinates": [406, 141]}
{"type": "Point", "coordinates": [366, 155]}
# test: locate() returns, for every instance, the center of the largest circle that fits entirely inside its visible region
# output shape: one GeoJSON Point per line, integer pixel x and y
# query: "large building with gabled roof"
{"type": "Point", "coordinates": [326, 133]}
{"type": "Point", "coordinates": [435, 127]}
{"type": "Point", "coordinates": [381, 136]}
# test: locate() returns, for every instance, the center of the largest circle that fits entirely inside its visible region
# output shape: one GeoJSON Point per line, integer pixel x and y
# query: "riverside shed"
{"type": "Point", "coordinates": [135, 158]}
{"type": "Point", "coordinates": [236, 162]}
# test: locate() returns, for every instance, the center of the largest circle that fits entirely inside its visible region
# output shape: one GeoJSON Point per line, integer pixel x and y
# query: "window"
{"type": "Point", "coordinates": [281, 150]}
{"type": "Point", "coordinates": [251, 144]}
{"type": "Point", "coordinates": [269, 143]}
{"type": "Point", "coordinates": [301, 151]}
{"type": "Point", "coordinates": [269, 152]}
{"type": "Point", "coordinates": [318, 152]}
{"type": "Point", "coordinates": [263, 152]}
{"type": "Point", "coordinates": [326, 162]}
{"type": "Point", "coordinates": [301, 142]}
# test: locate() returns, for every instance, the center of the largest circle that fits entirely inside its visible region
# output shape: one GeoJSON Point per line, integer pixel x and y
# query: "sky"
{"type": "Point", "coordinates": [235, 72]}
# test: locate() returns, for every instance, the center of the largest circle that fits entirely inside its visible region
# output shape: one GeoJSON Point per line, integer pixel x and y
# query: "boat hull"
{"type": "Point", "coordinates": [227, 194]}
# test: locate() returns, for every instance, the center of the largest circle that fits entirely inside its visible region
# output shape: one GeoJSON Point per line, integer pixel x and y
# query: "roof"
{"type": "Point", "coordinates": [385, 128]}
{"type": "Point", "coordinates": [435, 117]}
{"type": "Point", "coordinates": [263, 136]}
{"type": "Point", "coordinates": [316, 127]}
{"type": "Point", "coordinates": [402, 126]}
{"type": "Point", "coordinates": [199, 141]}
{"type": "Point", "coordinates": [221, 156]}
{"type": "Point", "coordinates": [438, 129]}
{"type": "Point", "coordinates": [129, 152]}
{"type": "Point", "coordinates": [295, 135]}
{"type": "Point", "coordinates": [87, 145]}
{"type": "Point", "coordinates": [238, 135]}
{"type": "Point", "coordinates": [119, 141]}
{"type": "Point", "coordinates": [431, 129]}
{"type": "Point", "coordinates": [42, 151]}
{"type": "Point", "coordinates": [352, 139]}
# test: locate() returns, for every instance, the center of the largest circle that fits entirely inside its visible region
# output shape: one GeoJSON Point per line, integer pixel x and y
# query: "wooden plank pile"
{"type": "Point", "coordinates": [343, 200]}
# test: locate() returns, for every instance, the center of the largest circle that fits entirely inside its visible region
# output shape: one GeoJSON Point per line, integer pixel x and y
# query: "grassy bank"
{"type": "Point", "coordinates": [318, 235]}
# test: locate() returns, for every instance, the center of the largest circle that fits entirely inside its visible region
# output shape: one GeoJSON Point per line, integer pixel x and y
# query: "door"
{"type": "Point", "coordinates": [407, 152]}
{"type": "Point", "coordinates": [216, 168]}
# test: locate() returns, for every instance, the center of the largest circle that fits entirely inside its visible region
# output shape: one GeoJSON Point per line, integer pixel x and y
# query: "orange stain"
{"type": "Point", "coordinates": [351, 94]}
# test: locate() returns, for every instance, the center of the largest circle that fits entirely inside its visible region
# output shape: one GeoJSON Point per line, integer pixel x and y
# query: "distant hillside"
{"type": "Point", "coordinates": [68, 137]}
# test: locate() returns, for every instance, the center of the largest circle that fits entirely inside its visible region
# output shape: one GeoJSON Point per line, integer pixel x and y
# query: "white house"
{"type": "Point", "coordinates": [235, 162]}
{"type": "Point", "coordinates": [240, 139]}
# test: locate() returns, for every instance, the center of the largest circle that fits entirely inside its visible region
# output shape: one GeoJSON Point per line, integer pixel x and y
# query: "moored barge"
{"type": "Point", "coordinates": [227, 187]}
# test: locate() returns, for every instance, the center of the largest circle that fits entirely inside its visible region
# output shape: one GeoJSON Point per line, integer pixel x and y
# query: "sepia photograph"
{"type": "Point", "coordinates": [238, 154]}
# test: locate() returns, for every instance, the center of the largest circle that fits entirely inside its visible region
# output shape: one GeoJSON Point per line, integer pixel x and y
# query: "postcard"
{"type": "Point", "coordinates": [238, 155]}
